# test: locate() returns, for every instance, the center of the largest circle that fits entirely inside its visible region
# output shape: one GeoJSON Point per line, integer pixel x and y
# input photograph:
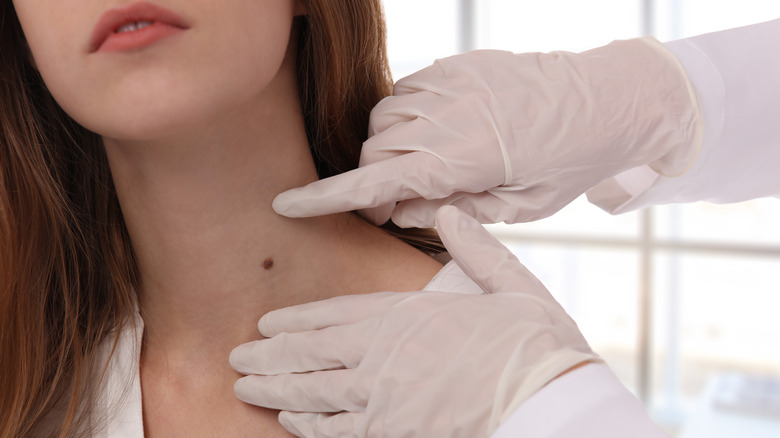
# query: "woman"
{"type": "Point", "coordinates": [142, 145]}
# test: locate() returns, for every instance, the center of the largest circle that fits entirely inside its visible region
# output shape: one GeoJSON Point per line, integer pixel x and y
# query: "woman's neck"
{"type": "Point", "coordinates": [213, 255]}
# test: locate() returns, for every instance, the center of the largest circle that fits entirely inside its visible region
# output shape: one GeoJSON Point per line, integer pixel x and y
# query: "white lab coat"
{"type": "Point", "coordinates": [737, 75]}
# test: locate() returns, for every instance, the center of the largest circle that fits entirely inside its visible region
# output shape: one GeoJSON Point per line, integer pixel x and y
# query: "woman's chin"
{"type": "Point", "coordinates": [147, 125]}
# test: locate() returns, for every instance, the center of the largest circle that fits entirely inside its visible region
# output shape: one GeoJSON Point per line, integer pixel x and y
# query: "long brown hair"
{"type": "Point", "coordinates": [67, 269]}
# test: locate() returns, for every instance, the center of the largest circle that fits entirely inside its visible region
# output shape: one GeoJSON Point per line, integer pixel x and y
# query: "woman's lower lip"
{"type": "Point", "coordinates": [136, 39]}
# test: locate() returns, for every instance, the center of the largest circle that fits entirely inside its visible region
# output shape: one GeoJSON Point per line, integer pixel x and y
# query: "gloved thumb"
{"type": "Point", "coordinates": [482, 257]}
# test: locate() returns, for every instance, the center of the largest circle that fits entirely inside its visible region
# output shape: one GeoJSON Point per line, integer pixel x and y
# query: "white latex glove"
{"type": "Point", "coordinates": [420, 364]}
{"type": "Point", "coordinates": [514, 137]}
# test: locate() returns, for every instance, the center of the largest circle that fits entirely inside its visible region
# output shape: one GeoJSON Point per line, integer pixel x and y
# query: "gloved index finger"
{"type": "Point", "coordinates": [383, 182]}
{"type": "Point", "coordinates": [327, 313]}
{"type": "Point", "coordinates": [335, 347]}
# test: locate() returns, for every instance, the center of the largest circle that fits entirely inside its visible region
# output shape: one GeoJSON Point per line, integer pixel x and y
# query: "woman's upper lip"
{"type": "Point", "coordinates": [115, 18]}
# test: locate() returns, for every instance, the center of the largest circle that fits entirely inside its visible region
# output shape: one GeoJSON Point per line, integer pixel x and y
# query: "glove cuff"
{"type": "Point", "coordinates": [689, 113]}
{"type": "Point", "coordinates": [516, 386]}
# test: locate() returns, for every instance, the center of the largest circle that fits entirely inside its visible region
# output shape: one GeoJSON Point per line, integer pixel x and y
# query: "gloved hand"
{"type": "Point", "coordinates": [514, 137]}
{"type": "Point", "coordinates": [420, 364]}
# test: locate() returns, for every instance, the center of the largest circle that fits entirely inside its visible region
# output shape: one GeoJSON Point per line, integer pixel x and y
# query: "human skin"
{"type": "Point", "coordinates": [202, 130]}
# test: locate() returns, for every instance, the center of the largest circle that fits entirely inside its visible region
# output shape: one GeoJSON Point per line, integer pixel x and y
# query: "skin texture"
{"type": "Point", "coordinates": [202, 130]}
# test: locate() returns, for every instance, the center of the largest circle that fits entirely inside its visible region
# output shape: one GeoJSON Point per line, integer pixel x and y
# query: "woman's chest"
{"type": "Point", "coordinates": [206, 418]}
{"type": "Point", "coordinates": [208, 409]}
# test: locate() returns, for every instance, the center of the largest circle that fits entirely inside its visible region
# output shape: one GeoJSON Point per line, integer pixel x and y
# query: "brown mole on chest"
{"type": "Point", "coordinates": [268, 263]}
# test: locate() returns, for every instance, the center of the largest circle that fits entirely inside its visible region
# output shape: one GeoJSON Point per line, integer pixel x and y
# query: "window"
{"type": "Point", "coordinates": [672, 297]}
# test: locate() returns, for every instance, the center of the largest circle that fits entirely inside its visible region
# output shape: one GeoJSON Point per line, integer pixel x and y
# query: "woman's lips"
{"type": "Point", "coordinates": [133, 26]}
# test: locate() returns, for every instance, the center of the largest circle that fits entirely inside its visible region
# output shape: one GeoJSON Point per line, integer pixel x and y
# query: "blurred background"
{"type": "Point", "coordinates": [682, 301]}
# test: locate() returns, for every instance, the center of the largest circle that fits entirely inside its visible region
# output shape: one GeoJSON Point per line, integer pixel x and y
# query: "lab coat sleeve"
{"type": "Point", "coordinates": [737, 76]}
{"type": "Point", "coordinates": [588, 402]}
